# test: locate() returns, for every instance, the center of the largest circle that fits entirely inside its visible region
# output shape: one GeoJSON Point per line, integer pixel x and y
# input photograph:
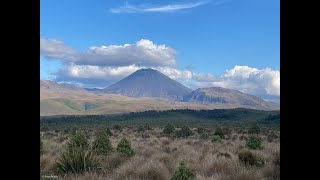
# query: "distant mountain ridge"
{"type": "Point", "coordinates": [149, 83]}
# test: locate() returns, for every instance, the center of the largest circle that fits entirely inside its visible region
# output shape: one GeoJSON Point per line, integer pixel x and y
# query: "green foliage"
{"type": "Point", "coordinates": [185, 131]}
{"type": "Point", "coordinates": [109, 131]}
{"type": "Point", "coordinates": [147, 126]}
{"type": "Point", "coordinates": [182, 173]}
{"type": "Point", "coordinates": [254, 142]}
{"type": "Point", "coordinates": [216, 139]}
{"type": "Point", "coordinates": [41, 146]}
{"type": "Point", "coordinates": [201, 130]}
{"type": "Point", "coordinates": [219, 132]}
{"type": "Point", "coordinates": [140, 129]}
{"type": "Point", "coordinates": [67, 130]}
{"type": "Point", "coordinates": [254, 129]}
{"type": "Point", "coordinates": [205, 136]}
{"type": "Point", "coordinates": [116, 127]}
{"type": "Point", "coordinates": [248, 158]}
{"type": "Point", "coordinates": [168, 128]}
{"type": "Point", "coordinates": [78, 160]}
{"type": "Point", "coordinates": [44, 127]}
{"type": "Point", "coordinates": [102, 143]}
{"type": "Point", "coordinates": [78, 140]}
{"type": "Point", "coordinates": [124, 148]}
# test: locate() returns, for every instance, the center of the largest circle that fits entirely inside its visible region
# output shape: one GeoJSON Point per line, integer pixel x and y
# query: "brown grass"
{"type": "Point", "coordinates": [158, 156]}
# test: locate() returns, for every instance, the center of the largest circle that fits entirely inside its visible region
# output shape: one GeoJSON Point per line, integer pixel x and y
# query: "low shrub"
{"type": "Point", "coordinates": [205, 136]}
{"type": "Point", "coordinates": [78, 140]}
{"type": "Point", "coordinates": [182, 173]}
{"type": "Point", "coordinates": [216, 139]}
{"type": "Point", "coordinates": [219, 132]}
{"type": "Point", "coordinates": [185, 131]}
{"type": "Point", "coordinates": [124, 148]}
{"type": "Point", "coordinates": [168, 128]}
{"type": "Point", "coordinates": [254, 142]}
{"type": "Point", "coordinates": [249, 159]}
{"type": "Point", "coordinates": [102, 144]}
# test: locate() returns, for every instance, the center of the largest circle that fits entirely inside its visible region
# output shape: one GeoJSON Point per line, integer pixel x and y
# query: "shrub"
{"type": "Point", "coordinates": [185, 131]}
{"type": "Point", "coordinates": [109, 131]}
{"type": "Point", "coordinates": [216, 139]}
{"type": "Point", "coordinates": [116, 127]}
{"type": "Point", "coordinates": [248, 158]}
{"type": "Point", "coordinates": [67, 130]}
{"type": "Point", "coordinates": [204, 136]}
{"type": "Point", "coordinates": [78, 140]}
{"type": "Point", "coordinates": [182, 173]}
{"type": "Point", "coordinates": [140, 129]}
{"type": "Point", "coordinates": [219, 132]}
{"type": "Point", "coordinates": [254, 129]}
{"type": "Point", "coordinates": [147, 126]}
{"type": "Point", "coordinates": [276, 159]}
{"type": "Point", "coordinates": [102, 143]}
{"type": "Point", "coordinates": [41, 146]}
{"type": "Point", "coordinates": [44, 128]}
{"type": "Point", "coordinates": [201, 130]}
{"type": "Point", "coordinates": [254, 142]}
{"type": "Point", "coordinates": [124, 148]}
{"type": "Point", "coordinates": [168, 128]}
{"type": "Point", "coordinates": [78, 160]}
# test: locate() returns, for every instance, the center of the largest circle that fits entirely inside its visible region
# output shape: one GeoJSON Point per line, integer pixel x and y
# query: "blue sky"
{"type": "Point", "coordinates": [229, 43]}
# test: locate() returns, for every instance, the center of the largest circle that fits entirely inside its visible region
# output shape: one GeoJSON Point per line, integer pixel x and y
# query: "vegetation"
{"type": "Point", "coordinates": [216, 139]}
{"type": "Point", "coordinates": [169, 128]}
{"type": "Point", "coordinates": [185, 131]}
{"type": "Point", "coordinates": [102, 144]}
{"type": "Point", "coordinates": [116, 127]}
{"type": "Point", "coordinates": [254, 129]}
{"type": "Point", "coordinates": [124, 148]}
{"type": "Point", "coordinates": [248, 158]}
{"type": "Point", "coordinates": [147, 126]}
{"type": "Point", "coordinates": [182, 173]}
{"type": "Point", "coordinates": [219, 132]}
{"type": "Point", "coordinates": [254, 142]}
{"type": "Point", "coordinates": [205, 136]}
{"type": "Point", "coordinates": [78, 160]}
{"type": "Point", "coordinates": [41, 146]}
{"type": "Point", "coordinates": [78, 140]}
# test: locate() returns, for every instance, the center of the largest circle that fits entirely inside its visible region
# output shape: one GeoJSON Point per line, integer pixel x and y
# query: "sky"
{"type": "Point", "coordinates": [200, 43]}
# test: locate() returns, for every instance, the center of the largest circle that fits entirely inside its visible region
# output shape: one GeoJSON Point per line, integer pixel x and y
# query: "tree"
{"type": "Point", "coordinates": [78, 140]}
{"type": "Point", "coordinates": [102, 143]}
{"type": "Point", "coordinates": [168, 128]}
{"type": "Point", "coordinates": [124, 148]}
{"type": "Point", "coordinates": [182, 173]}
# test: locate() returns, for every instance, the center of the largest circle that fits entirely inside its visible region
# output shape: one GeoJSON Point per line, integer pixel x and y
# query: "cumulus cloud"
{"type": "Point", "coordinates": [264, 82]}
{"type": "Point", "coordinates": [128, 8]}
{"type": "Point", "coordinates": [143, 53]}
{"type": "Point", "coordinates": [55, 49]}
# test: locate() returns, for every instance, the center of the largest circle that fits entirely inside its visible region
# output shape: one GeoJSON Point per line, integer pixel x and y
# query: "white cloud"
{"type": "Point", "coordinates": [143, 53]}
{"type": "Point", "coordinates": [55, 49]}
{"type": "Point", "coordinates": [128, 8]}
{"type": "Point", "coordinates": [265, 82]}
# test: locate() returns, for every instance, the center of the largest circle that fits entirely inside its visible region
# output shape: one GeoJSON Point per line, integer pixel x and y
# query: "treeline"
{"type": "Point", "coordinates": [193, 118]}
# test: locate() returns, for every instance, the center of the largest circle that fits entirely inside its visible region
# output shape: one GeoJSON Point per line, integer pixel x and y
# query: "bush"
{"type": "Point", "coordinates": [109, 131]}
{"type": "Point", "coordinates": [140, 129]}
{"type": "Point", "coordinates": [67, 130]}
{"type": "Point", "coordinates": [168, 128]}
{"type": "Point", "coordinates": [44, 128]}
{"type": "Point", "coordinates": [102, 143]}
{"type": "Point", "coordinates": [248, 158]}
{"type": "Point", "coordinates": [182, 173]}
{"type": "Point", "coordinates": [204, 136]}
{"type": "Point", "coordinates": [147, 126]}
{"type": "Point", "coordinates": [254, 142]}
{"type": "Point", "coordinates": [219, 132]}
{"type": "Point", "coordinates": [201, 130]}
{"type": "Point", "coordinates": [78, 140]}
{"type": "Point", "coordinates": [254, 129]}
{"type": "Point", "coordinates": [271, 136]}
{"type": "Point", "coordinates": [185, 131]}
{"type": "Point", "coordinates": [41, 146]}
{"type": "Point", "coordinates": [276, 159]}
{"type": "Point", "coordinates": [116, 127]}
{"type": "Point", "coordinates": [124, 148]}
{"type": "Point", "coordinates": [78, 160]}
{"type": "Point", "coordinates": [216, 139]}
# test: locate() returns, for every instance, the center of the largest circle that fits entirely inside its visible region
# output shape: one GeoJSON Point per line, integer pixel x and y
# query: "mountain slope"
{"type": "Point", "coordinates": [149, 83]}
{"type": "Point", "coordinates": [227, 96]}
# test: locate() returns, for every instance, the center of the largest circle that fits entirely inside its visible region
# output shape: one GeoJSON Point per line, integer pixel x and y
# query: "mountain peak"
{"type": "Point", "coordinates": [149, 83]}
